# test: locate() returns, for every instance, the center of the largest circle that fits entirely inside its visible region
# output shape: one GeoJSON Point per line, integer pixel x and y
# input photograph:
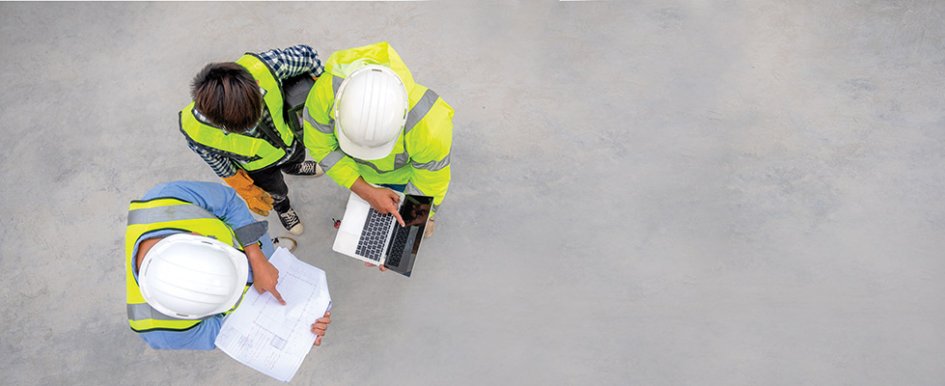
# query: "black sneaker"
{"type": "Point", "coordinates": [291, 222]}
{"type": "Point", "coordinates": [305, 168]}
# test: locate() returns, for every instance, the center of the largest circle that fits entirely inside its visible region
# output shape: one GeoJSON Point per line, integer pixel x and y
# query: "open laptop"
{"type": "Point", "coordinates": [376, 238]}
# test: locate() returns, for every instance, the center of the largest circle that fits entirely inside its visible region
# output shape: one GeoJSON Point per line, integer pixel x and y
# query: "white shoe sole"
{"type": "Point", "coordinates": [287, 243]}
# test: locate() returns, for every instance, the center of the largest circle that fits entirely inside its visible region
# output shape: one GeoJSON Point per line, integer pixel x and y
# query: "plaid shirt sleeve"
{"type": "Point", "coordinates": [293, 61]}
{"type": "Point", "coordinates": [221, 165]}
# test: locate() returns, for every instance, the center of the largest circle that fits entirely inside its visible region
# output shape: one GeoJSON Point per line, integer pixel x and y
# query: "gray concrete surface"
{"type": "Point", "coordinates": [655, 193]}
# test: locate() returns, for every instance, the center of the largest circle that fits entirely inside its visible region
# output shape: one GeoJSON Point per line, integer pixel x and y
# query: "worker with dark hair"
{"type": "Point", "coordinates": [238, 125]}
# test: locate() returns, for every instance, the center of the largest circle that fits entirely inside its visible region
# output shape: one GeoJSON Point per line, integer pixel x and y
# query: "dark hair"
{"type": "Point", "coordinates": [227, 95]}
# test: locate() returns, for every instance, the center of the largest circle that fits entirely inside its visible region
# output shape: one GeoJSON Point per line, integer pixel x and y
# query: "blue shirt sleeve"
{"type": "Point", "coordinates": [223, 202]}
{"type": "Point", "coordinates": [219, 199]}
{"type": "Point", "coordinates": [200, 337]}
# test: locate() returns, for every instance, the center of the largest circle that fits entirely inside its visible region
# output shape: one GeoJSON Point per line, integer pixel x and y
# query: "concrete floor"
{"type": "Point", "coordinates": [664, 193]}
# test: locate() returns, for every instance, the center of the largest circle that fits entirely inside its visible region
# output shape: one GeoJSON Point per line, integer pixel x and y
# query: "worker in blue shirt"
{"type": "Point", "coordinates": [192, 249]}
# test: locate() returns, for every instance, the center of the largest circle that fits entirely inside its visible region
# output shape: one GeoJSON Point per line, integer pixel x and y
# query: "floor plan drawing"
{"type": "Point", "coordinates": [274, 338]}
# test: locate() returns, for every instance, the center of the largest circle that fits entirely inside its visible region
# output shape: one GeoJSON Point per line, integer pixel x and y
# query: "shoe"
{"type": "Point", "coordinates": [305, 168]}
{"type": "Point", "coordinates": [291, 222]}
{"type": "Point", "coordinates": [285, 242]}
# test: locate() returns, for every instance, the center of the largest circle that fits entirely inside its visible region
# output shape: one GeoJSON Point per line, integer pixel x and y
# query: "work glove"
{"type": "Point", "coordinates": [256, 199]}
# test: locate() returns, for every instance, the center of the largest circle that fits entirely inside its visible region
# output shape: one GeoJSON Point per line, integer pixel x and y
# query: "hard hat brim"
{"type": "Point", "coordinates": [362, 152]}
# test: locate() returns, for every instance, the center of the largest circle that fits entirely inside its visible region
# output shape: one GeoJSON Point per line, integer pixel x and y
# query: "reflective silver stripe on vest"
{"type": "Point", "coordinates": [331, 159]}
{"type": "Point", "coordinates": [167, 213]}
{"type": "Point", "coordinates": [368, 164]}
{"type": "Point", "coordinates": [144, 311]}
{"type": "Point", "coordinates": [420, 110]}
{"type": "Point", "coordinates": [327, 129]}
{"type": "Point", "coordinates": [434, 165]}
{"type": "Point", "coordinates": [400, 160]}
{"type": "Point", "coordinates": [336, 83]}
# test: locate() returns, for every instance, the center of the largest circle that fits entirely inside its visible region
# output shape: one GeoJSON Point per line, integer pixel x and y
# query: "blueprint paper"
{"type": "Point", "coordinates": [274, 338]}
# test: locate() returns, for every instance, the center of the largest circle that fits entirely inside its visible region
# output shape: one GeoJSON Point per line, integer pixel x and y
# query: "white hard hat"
{"type": "Point", "coordinates": [370, 112]}
{"type": "Point", "coordinates": [187, 276]}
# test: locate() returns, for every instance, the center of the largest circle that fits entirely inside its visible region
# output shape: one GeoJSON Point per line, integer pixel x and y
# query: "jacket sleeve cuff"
{"type": "Point", "coordinates": [251, 233]}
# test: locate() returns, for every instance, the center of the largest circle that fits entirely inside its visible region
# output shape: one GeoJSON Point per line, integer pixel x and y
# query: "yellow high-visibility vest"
{"type": "Point", "coordinates": [420, 158]}
{"type": "Point", "coordinates": [252, 153]}
{"type": "Point", "coordinates": [165, 214]}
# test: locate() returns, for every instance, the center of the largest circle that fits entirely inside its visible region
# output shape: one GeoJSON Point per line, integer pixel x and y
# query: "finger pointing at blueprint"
{"type": "Point", "coordinates": [274, 338]}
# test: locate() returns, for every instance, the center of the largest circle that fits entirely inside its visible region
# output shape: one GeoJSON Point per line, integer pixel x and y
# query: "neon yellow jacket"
{"type": "Point", "coordinates": [159, 214]}
{"type": "Point", "coordinates": [252, 153]}
{"type": "Point", "coordinates": [421, 157]}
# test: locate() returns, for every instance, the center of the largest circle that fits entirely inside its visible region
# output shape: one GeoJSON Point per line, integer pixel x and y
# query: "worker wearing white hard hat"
{"type": "Point", "coordinates": [370, 111]}
{"type": "Point", "coordinates": [368, 123]}
{"type": "Point", "coordinates": [192, 249]}
{"type": "Point", "coordinates": [190, 276]}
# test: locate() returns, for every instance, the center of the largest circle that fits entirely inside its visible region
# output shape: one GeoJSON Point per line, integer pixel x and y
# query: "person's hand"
{"type": "Point", "coordinates": [265, 279]}
{"type": "Point", "coordinates": [382, 200]}
{"type": "Point", "coordinates": [265, 275]}
{"type": "Point", "coordinates": [320, 326]}
{"type": "Point", "coordinates": [385, 201]}
{"type": "Point", "coordinates": [381, 267]}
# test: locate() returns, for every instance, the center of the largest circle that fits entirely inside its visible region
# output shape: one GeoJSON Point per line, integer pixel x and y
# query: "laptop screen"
{"type": "Point", "coordinates": [402, 250]}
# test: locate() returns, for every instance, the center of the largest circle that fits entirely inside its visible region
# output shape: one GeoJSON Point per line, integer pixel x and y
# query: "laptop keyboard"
{"type": "Point", "coordinates": [397, 246]}
{"type": "Point", "coordinates": [374, 234]}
